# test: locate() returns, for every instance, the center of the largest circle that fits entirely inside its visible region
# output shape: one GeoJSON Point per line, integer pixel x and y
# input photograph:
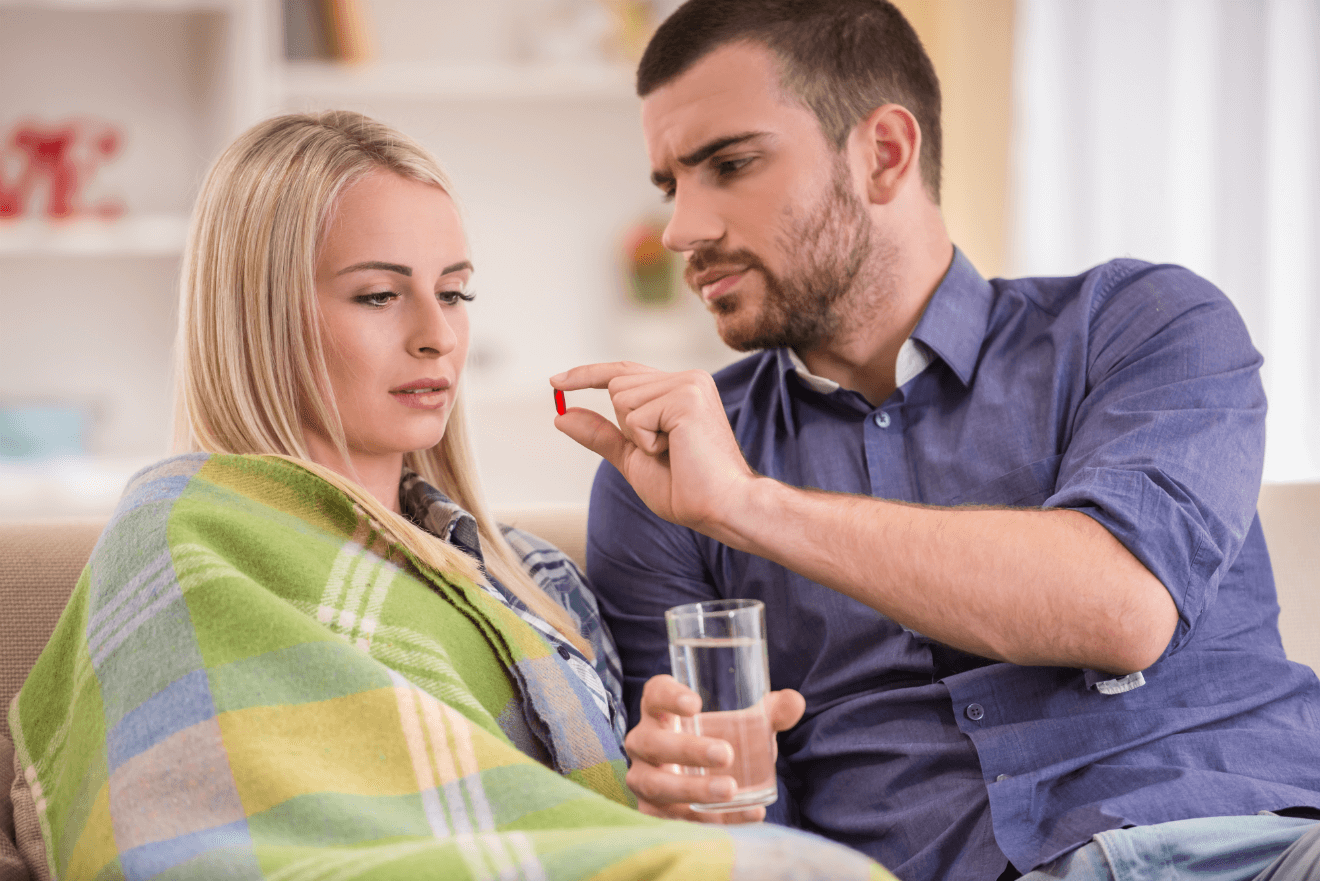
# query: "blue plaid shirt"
{"type": "Point", "coordinates": [552, 571]}
{"type": "Point", "coordinates": [1129, 393]}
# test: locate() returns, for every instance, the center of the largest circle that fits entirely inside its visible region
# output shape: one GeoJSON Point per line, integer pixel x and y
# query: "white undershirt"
{"type": "Point", "coordinates": [913, 357]}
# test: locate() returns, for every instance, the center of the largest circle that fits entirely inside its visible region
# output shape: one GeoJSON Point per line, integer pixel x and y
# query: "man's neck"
{"type": "Point", "coordinates": [864, 354]}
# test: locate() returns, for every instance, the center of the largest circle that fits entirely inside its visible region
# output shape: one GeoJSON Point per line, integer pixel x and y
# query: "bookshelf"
{"type": "Point", "coordinates": [177, 77]}
{"type": "Point", "coordinates": [89, 303]}
{"type": "Point", "coordinates": [544, 146]}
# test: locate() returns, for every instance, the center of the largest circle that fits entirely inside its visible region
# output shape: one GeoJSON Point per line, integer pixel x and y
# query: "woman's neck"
{"type": "Point", "coordinates": [378, 474]}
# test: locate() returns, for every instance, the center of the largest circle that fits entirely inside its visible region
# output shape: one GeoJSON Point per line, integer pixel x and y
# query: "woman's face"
{"type": "Point", "coordinates": [391, 282]}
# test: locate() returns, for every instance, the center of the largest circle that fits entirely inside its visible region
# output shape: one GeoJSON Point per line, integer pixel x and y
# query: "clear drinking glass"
{"type": "Point", "coordinates": [717, 649]}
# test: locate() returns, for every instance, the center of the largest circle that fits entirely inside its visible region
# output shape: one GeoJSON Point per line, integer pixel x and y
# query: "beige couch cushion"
{"type": "Point", "coordinates": [1290, 516]}
{"type": "Point", "coordinates": [12, 866]}
{"type": "Point", "coordinates": [39, 564]}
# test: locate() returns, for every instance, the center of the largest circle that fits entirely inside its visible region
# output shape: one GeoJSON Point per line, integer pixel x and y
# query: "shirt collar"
{"type": "Point", "coordinates": [435, 512]}
{"type": "Point", "coordinates": [954, 323]}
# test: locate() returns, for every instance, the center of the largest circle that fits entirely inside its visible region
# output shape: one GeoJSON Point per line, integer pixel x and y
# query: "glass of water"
{"type": "Point", "coordinates": [717, 649]}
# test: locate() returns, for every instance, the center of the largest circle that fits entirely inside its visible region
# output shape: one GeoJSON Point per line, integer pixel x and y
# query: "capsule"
{"type": "Point", "coordinates": [560, 406]}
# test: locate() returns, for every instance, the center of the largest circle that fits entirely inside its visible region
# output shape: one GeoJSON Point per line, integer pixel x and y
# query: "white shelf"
{"type": "Point", "coordinates": [144, 235]}
{"type": "Point", "coordinates": [72, 486]}
{"type": "Point", "coordinates": [120, 5]}
{"type": "Point", "coordinates": [383, 80]}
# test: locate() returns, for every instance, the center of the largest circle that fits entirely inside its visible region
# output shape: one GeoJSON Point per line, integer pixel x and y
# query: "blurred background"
{"type": "Point", "coordinates": [1184, 131]}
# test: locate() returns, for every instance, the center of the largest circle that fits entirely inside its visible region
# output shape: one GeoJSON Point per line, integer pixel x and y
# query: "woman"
{"type": "Point", "coordinates": [303, 648]}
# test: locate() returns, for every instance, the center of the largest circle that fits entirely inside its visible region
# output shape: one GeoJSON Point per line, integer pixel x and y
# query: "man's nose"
{"type": "Point", "coordinates": [696, 222]}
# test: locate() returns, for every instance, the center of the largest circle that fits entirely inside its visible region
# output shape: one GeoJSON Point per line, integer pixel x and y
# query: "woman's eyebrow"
{"type": "Point", "coordinates": [377, 264]}
{"type": "Point", "coordinates": [400, 268]}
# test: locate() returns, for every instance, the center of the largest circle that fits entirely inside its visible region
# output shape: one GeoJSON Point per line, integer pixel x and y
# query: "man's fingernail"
{"type": "Point", "coordinates": [557, 377]}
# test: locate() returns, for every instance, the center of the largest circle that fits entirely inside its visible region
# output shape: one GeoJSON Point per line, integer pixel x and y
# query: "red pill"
{"type": "Point", "coordinates": [560, 406]}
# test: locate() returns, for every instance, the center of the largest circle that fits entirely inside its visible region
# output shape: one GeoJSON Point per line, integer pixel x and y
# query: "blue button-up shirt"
{"type": "Point", "coordinates": [1129, 393]}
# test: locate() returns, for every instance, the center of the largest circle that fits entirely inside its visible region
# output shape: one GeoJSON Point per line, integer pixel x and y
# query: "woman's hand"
{"type": "Point", "coordinates": [657, 747]}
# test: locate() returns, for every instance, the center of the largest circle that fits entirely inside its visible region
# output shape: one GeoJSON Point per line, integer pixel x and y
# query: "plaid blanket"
{"type": "Point", "coordinates": [249, 681]}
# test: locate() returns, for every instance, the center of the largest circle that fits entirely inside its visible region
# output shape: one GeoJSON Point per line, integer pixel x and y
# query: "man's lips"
{"type": "Point", "coordinates": [714, 284]}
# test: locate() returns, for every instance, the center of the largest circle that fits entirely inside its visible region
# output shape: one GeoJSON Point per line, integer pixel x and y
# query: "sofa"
{"type": "Point", "coordinates": [40, 562]}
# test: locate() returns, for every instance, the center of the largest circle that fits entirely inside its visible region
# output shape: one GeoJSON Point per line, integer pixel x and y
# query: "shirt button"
{"type": "Point", "coordinates": [882, 420]}
{"type": "Point", "coordinates": [563, 652]}
{"type": "Point", "coordinates": [1001, 778]}
{"type": "Point", "coordinates": [975, 712]}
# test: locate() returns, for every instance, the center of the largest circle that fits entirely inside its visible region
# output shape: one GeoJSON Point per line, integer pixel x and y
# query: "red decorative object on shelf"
{"type": "Point", "coordinates": [650, 270]}
{"type": "Point", "coordinates": [63, 156]}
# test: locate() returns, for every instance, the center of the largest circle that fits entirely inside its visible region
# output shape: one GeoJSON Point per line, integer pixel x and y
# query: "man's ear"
{"type": "Point", "coordinates": [889, 145]}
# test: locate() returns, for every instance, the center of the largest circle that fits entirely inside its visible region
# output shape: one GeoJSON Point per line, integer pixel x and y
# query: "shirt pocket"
{"type": "Point", "coordinates": [1023, 487]}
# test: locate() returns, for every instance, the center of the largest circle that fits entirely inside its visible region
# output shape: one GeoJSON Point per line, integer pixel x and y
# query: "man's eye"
{"type": "Point", "coordinates": [376, 298]}
{"type": "Point", "coordinates": [730, 167]}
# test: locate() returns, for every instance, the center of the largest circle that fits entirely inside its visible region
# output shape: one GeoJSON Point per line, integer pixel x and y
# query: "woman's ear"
{"type": "Point", "coordinates": [888, 141]}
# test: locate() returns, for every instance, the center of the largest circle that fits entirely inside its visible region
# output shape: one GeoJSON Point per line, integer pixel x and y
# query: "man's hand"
{"type": "Point", "coordinates": [656, 747]}
{"type": "Point", "coordinates": [673, 442]}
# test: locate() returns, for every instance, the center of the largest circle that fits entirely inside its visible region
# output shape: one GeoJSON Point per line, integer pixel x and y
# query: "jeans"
{"type": "Point", "coordinates": [1264, 847]}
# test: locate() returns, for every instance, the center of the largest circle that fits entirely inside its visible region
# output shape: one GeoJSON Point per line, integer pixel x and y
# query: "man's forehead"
{"type": "Point", "coordinates": [733, 89]}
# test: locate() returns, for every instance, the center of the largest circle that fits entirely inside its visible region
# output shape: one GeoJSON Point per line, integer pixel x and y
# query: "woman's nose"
{"type": "Point", "coordinates": [695, 223]}
{"type": "Point", "coordinates": [433, 335]}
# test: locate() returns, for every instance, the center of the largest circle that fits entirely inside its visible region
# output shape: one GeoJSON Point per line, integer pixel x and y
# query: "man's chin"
{"type": "Point", "coordinates": [742, 327]}
{"type": "Point", "coordinates": [738, 333]}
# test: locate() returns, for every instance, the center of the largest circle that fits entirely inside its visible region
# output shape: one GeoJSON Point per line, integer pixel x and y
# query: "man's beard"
{"type": "Point", "coordinates": [801, 308]}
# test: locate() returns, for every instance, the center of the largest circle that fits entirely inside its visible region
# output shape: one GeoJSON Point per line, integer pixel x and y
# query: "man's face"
{"type": "Point", "coordinates": [765, 209]}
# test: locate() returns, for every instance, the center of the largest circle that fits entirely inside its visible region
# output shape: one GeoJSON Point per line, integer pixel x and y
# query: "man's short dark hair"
{"type": "Point", "coordinates": [841, 58]}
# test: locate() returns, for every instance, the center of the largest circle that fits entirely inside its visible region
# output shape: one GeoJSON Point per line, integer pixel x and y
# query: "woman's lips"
{"type": "Point", "coordinates": [428, 395]}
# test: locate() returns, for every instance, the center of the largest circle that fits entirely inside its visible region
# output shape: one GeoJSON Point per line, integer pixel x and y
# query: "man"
{"type": "Point", "coordinates": [1004, 531]}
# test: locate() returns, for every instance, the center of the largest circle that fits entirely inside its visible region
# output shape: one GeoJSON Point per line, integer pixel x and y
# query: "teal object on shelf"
{"type": "Point", "coordinates": [42, 431]}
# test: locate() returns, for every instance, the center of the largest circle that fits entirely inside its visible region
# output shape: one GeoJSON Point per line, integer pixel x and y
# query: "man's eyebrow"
{"type": "Point", "coordinates": [702, 153]}
{"type": "Point", "coordinates": [400, 268]}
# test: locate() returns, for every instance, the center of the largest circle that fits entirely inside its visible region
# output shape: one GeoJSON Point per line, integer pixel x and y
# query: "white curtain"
{"type": "Point", "coordinates": [1183, 131]}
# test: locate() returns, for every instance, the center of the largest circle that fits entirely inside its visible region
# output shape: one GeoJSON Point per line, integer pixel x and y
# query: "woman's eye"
{"type": "Point", "coordinates": [449, 298]}
{"type": "Point", "coordinates": [376, 298]}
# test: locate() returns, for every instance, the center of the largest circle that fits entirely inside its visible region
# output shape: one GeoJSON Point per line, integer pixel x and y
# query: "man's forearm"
{"type": "Point", "coordinates": [1030, 586]}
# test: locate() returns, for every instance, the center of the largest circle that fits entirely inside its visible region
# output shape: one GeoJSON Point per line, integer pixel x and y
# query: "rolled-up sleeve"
{"type": "Point", "coordinates": [1167, 449]}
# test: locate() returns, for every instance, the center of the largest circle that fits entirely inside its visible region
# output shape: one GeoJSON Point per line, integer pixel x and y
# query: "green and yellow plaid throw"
{"type": "Point", "coordinates": [250, 682]}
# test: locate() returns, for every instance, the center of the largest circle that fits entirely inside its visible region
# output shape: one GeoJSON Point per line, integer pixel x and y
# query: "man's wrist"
{"type": "Point", "coordinates": [749, 515]}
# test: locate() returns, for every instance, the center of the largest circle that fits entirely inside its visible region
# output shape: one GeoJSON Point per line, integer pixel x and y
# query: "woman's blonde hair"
{"type": "Point", "coordinates": [250, 359]}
